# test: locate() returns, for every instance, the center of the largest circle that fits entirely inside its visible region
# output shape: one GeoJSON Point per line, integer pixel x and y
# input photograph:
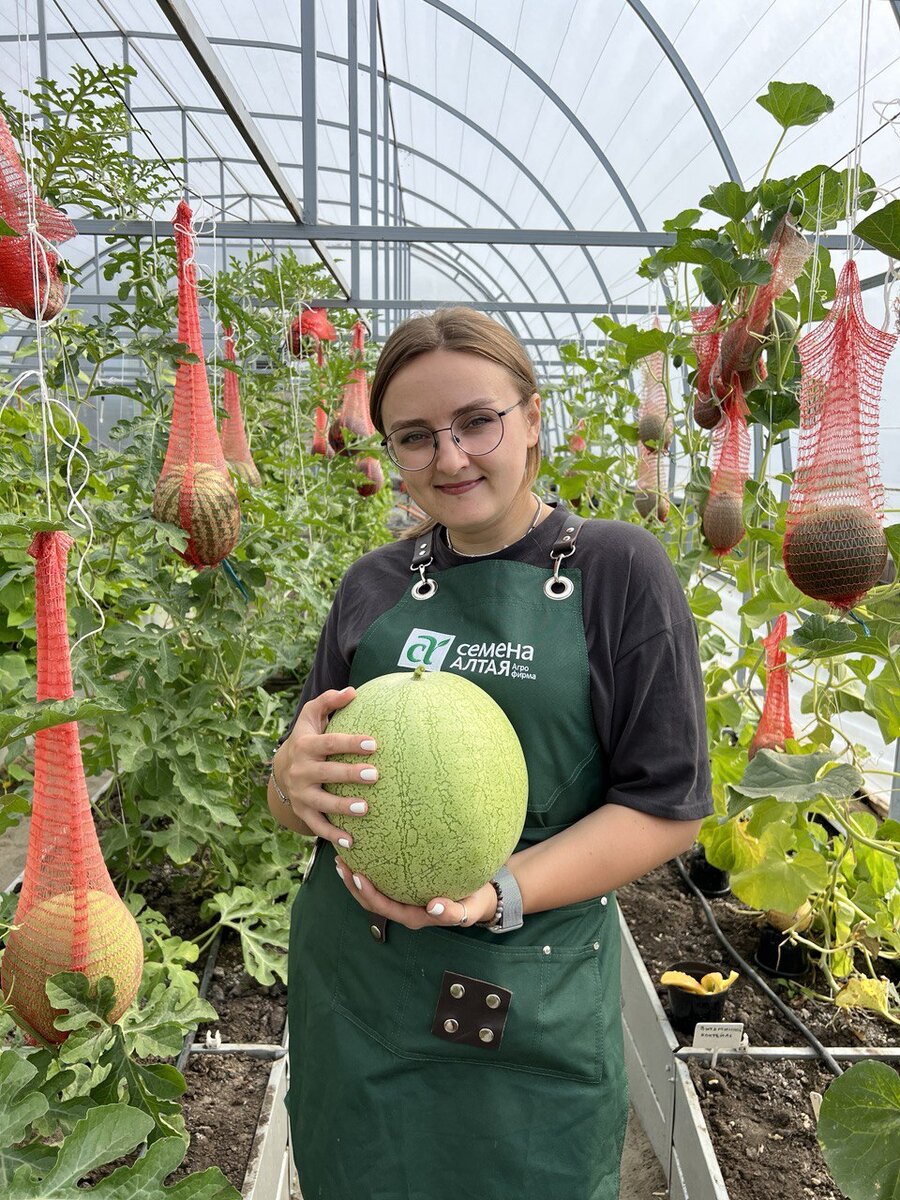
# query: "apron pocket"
{"type": "Point", "coordinates": [555, 1020]}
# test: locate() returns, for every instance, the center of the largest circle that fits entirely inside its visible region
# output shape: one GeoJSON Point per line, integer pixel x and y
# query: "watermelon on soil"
{"type": "Point", "coordinates": [448, 807]}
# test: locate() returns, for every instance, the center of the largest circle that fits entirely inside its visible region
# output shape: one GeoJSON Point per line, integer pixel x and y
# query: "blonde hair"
{"type": "Point", "coordinates": [470, 332]}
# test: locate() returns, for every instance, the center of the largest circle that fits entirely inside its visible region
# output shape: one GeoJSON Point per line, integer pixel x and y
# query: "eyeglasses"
{"type": "Point", "coordinates": [478, 431]}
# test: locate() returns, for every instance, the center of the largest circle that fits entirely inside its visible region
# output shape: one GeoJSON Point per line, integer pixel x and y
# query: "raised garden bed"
{"type": "Point", "coordinates": [745, 1130]}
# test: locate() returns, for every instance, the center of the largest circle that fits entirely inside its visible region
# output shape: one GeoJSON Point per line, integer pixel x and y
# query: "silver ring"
{"type": "Point", "coordinates": [465, 912]}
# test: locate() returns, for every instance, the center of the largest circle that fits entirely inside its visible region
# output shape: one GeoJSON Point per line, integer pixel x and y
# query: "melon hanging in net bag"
{"type": "Point", "coordinates": [194, 489]}
{"type": "Point", "coordinates": [353, 414]}
{"type": "Point", "coordinates": [775, 723]}
{"type": "Point", "coordinates": [308, 331]}
{"type": "Point", "coordinates": [723, 522]}
{"type": "Point", "coordinates": [234, 436]}
{"type": "Point", "coordinates": [705, 343]}
{"type": "Point", "coordinates": [651, 495]}
{"type": "Point", "coordinates": [69, 916]}
{"type": "Point", "coordinates": [20, 255]}
{"type": "Point", "coordinates": [742, 342]}
{"type": "Point", "coordinates": [834, 544]}
{"type": "Point", "coordinates": [654, 425]}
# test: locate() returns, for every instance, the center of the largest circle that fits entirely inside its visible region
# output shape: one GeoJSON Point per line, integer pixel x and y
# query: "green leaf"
{"type": "Point", "coordinates": [820, 637]}
{"type": "Point", "coordinates": [859, 1131]}
{"type": "Point", "coordinates": [44, 714]}
{"type": "Point", "coordinates": [730, 200]}
{"type": "Point", "coordinates": [779, 876]}
{"type": "Point", "coordinates": [158, 1028]}
{"type": "Point", "coordinates": [793, 779]}
{"type": "Point", "coordinates": [883, 697]}
{"type": "Point", "coordinates": [685, 219]}
{"type": "Point", "coordinates": [263, 926]}
{"type": "Point", "coordinates": [775, 595]}
{"type": "Point", "coordinates": [794, 104]}
{"type": "Point", "coordinates": [881, 229]}
{"type": "Point", "coordinates": [20, 1102]}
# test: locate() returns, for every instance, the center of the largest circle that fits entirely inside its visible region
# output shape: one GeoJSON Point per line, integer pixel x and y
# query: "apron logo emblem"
{"type": "Point", "coordinates": [426, 648]}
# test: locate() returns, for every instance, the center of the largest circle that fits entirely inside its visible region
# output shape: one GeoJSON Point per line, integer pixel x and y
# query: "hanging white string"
{"type": "Point", "coordinates": [853, 173]}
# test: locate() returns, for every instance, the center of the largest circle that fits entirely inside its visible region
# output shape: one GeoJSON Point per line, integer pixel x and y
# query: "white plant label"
{"type": "Point", "coordinates": [718, 1035]}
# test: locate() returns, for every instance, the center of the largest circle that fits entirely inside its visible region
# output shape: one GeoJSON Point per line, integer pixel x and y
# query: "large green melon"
{"type": "Point", "coordinates": [448, 807]}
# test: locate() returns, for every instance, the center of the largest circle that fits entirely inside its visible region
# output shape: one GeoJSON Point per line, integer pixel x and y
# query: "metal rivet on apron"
{"type": "Point", "coordinates": [604, 900]}
{"type": "Point", "coordinates": [546, 949]}
{"type": "Point", "coordinates": [450, 1025]}
{"type": "Point", "coordinates": [492, 1001]}
{"type": "Point", "coordinates": [457, 991]}
{"type": "Point", "coordinates": [486, 1035]}
{"type": "Point", "coordinates": [596, 945]}
{"type": "Point", "coordinates": [375, 932]}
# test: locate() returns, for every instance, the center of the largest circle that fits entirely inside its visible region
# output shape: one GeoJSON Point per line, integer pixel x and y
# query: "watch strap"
{"type": "Point", "coordinates": [509, 909]}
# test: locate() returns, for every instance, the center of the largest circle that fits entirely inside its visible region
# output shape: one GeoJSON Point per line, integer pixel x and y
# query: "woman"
{"type": "Point", "coordinates": [472, 1050]}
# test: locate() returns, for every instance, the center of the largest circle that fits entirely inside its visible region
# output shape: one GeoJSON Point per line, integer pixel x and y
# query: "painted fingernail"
{"type": "Point", "coordinates": [436, 910]}
{"type": "Point", "coordinates": [337, 867]}
{"type": "Point", "coordinates": [345, 842]}
{"type": "Point", "coordinates": [358, 882]}
{"type": "Point", "coordinates": [368, 773]}
{"type": "Point", "coordinates": [358, 806]}
{"type": "Point", "coordinates": [367, 745]}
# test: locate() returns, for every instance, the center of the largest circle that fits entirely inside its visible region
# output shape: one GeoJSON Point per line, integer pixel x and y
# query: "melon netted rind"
{"type": "Point", "coordinates": [449, 804]}
{"type": "Point", "coordinates": [836, 554]}
{"type": "Point", "coordinates": [41, 946]}
{"type": "Point", "coordinates": [723, 524]}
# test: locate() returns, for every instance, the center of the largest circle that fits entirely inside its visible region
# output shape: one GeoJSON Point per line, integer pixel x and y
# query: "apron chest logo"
{"type": "Point", "coordinates": [426, 648]}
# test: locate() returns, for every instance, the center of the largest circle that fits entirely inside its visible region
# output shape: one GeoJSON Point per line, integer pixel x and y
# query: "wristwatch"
{"type": "Point", "coordinates": [509, 903]}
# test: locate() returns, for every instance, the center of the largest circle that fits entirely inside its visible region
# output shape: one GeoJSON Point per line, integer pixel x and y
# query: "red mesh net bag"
{"type": "Point", "coordinates": [577, 444]}
{"type": "Point", "coordinates": [742, 342]}
{"type": "Point", "coordinates": [69, 917]}
{"type": "Point", "coordinates": [705, 343]}
{"type": "Point", "coordinates": [372, 469]}
{"type": "Point", "coordinates": [834, 544]}
{"type": "Point", "coordinates": [354, 411]}
{"type": "Point", "coordinates": [20, 255]}
{"type": "Point", "coordinates": [654, 425]}
{"type": "Point", "coordinates": [723, 522]}
{"type": "Point", "coordinates": [651, 495]}
{"type": "Point", "coordinates": [775, 723]}
{"type": "Point", "coordinates": [320, 436]}
{"type": "Point", "coordinates": [234, 436]}
{"type": "Point", "coordinates": [194, 488]}
{"type": "Point", "coordinates": [308, 331]}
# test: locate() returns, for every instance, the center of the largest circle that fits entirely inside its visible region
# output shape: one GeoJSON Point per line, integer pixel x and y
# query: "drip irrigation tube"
{"type": "Point", "coordinates": [805, 1032]}
{"type": "Point", "coordinates": [204, 985]}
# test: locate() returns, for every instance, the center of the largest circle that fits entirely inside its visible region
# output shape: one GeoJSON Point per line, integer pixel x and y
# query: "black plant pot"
{"type": "Point", "coordinates": [777, 955]}
{"type": "Point", "coordinates": [687, 1008]}
{"type": "Point", "coordinates": [707, 878]}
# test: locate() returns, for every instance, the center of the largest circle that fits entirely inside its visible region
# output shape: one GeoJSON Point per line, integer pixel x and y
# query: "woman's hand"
{"type": "Point", "coordinates": [302, 765]}
{"type": "Point", "coordinates": [480, 906]}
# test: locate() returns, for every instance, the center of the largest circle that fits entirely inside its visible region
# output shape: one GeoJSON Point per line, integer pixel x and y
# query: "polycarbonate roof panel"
{"type": "Point", "coordinates": [614, 139]}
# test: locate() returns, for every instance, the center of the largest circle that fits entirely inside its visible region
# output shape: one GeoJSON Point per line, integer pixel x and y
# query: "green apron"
{"type": "Point", "coordinates": [381, 1106]}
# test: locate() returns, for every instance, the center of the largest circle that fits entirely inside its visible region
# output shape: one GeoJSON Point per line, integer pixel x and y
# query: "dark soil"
{"type": "Point", "coordinates": [763, 1128]}
{"type": "Point", "coordinates": [221, 1107]}
{"type": "Point", "coordinates": [668, 924]}
{"type": "Point", "coordinates": [248, 1012]}
{"type": "Point", "coordinates": [759, 1114]}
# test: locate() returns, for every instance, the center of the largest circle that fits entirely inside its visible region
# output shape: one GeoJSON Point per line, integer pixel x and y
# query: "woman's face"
{"type": "Point", "coordinates": [429, 391]}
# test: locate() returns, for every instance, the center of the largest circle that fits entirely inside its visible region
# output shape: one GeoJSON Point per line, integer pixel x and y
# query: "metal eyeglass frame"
{"type": "Point", "coordinates": [449, 428]}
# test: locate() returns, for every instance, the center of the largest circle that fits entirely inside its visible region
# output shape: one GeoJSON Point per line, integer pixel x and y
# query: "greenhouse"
{"type": "Point", "coordinates": [458, 443]}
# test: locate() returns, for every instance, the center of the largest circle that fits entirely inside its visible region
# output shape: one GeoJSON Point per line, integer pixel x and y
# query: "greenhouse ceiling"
{"type": "Point", "coordinates": [525, 156]}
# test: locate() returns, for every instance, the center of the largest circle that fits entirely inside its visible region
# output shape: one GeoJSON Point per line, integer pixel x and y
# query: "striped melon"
{"type": "Point", "coordinates": [98, 936]}
{"type": "Point", "coordinates": [449, 803]}
{"type": "Point", "coordinates": [246, 471]}
{"type": "Point", "coordinates": [210, 512]}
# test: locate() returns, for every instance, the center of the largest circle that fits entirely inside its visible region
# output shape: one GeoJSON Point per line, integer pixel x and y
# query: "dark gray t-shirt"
{"type": "Point", "coordinates": [646, 683]}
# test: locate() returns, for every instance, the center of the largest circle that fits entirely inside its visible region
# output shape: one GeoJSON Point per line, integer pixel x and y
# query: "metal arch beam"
{"type": "Point", "coordinates": [343, 61]}
{"type": "Point", "coordinates": [442, 255]}
{"type": "Point", "coordinates": [462, 253]}
{"type": "Point", "coordinates": [190, 34]}
{"type": "Point", "coordinates": [442, 166]}
{"type": "Point", "coordinates": [662, 40]}
{"type": "Point", "coordinates": [552, 96]}
{"type": "Point", "coordinates": [895, 5]}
